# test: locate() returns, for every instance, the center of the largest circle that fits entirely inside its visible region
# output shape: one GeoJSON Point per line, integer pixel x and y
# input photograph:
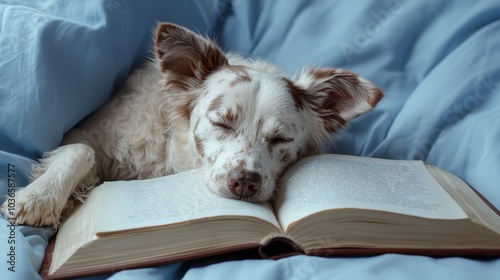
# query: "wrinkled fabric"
{"type": "Point", "coordinates": [438, 63]}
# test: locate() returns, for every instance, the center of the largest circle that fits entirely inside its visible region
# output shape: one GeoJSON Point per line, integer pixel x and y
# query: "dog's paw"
{"type": "Point", "coordinates": [33, 209]}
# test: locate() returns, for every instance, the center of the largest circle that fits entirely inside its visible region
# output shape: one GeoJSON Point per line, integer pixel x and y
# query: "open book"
{"type": "Point", "coordinates": [327, 205]}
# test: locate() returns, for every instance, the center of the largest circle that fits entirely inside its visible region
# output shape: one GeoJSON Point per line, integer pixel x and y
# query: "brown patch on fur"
{"type": "Point", "coordinates": [216, 103]}
{"type": "Point", "coordinates": [298, 94]}
{"type": "Point", "coordinates": [335, 123]}
{"type": "Point", "coordinates": [199, 146]}
{"type": "Point", "coordinates": [229, 118]}
{"type": "Point", "coordinates": [238, 69]}
{"type": "Point", "coordinates": [260, 123]}
{"type": "Point", "coordinates": [341, 87]}
{"type": "Point", "coordinates": [240, 80]}
{"type": "Point", "coordinates": [342, 83]}
{"type": "Point", "coordinates": [184, 110]}
{"type": "Point", "coordinates": [323, 73]}
{"type": "Point", "coordinates": [187, 55]}
{"type": "Point", "coordinates": [377, 97]}
{"type": "Point", "coordinates": [176, 85]}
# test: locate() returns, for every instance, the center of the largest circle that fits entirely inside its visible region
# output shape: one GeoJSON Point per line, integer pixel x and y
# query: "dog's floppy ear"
{"type": "Point", "coordinates": [337, 95]}
{"type": "Point", "coordinates": [186, 56]}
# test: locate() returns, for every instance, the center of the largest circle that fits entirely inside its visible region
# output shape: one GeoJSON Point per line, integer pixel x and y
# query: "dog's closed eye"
{"type": "Point", "coordinates": [223, 126]}
{"type": "Point", "coordinates": [277, 140]}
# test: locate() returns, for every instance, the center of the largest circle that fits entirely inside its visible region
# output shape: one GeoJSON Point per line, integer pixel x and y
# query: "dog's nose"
{"type": "Point", "coordinates": [243, 183]}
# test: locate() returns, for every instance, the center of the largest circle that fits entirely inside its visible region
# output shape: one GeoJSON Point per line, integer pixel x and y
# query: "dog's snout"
{"type": "Point", "coordinates": [243, 183]}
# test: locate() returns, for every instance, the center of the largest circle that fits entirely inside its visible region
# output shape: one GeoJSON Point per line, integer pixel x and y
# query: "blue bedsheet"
{"type": "Point", "coordinates": [437, 61]}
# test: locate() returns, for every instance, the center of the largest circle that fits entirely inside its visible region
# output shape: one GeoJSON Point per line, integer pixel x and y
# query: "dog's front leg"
{"type": "Point", "coordinates": [59, 174]}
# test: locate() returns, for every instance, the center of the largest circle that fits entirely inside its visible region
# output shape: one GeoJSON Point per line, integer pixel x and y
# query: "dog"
{"type": "Point", "coordinates": [192, 106]}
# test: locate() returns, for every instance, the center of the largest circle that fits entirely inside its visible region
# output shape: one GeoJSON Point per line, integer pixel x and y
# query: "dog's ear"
{"type": "Point", "coordinates": [186, 56]}
{"type": "Point", "coordinates": [336, 95]}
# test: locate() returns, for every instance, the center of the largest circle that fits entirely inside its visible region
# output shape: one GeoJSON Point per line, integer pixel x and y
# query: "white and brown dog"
{"type": "Point", "coordinates": [244, 121]}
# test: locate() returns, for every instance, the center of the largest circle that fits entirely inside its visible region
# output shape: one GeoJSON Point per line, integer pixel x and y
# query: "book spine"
{"type": "Point", "coordinates": [278, 247]}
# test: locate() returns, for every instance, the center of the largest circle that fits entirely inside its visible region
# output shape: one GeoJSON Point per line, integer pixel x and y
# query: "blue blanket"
{"type": "Point", "coordinates": [437, 61]}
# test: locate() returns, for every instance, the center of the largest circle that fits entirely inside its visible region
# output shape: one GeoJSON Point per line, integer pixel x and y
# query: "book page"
{"type": "Point", "coordinates": [172, 199]}
{"type": "Point", "coordinates": [325, 182]}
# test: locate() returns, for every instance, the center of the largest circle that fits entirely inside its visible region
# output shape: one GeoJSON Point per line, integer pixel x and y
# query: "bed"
{"type": "Point", "coordinates": [438, 63]}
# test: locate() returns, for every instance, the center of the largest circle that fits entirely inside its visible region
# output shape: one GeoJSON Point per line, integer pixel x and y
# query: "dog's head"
{"type": "Point", "coordinates": [248, 121]}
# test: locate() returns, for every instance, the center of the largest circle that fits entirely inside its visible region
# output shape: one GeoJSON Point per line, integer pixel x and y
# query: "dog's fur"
{"type": "Point", "coordinates": [194, 106]}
